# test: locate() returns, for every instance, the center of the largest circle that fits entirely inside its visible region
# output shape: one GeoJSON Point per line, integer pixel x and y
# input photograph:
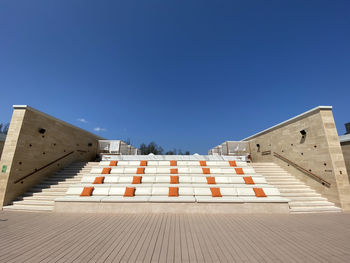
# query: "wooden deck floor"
{"type": "Point", "coordinates": [50, 237]}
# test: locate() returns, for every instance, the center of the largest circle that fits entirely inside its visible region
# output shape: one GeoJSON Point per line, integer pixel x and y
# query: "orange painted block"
{"type": "Point", "coordinates": [113, 163]}
{"type": "Point", "coordinates": [99, 180]}
{"type": "Point", "coordinates": [87, 191]}
{"type": "Point", "coordinates": [106, 170]}
{"type": "Point", "coordinates": [129, 191]}
{"type": "Point", "coordinates": [239, 171]}
{"type": "Point", "coordinates": [174, 171]}
{"type": "Point", "coordinates": [232, 163]}
{"type": "Point", "coordinates": [203, 163]}
{"type": "Point", "coordinates": [173, 191]}
{"type": "Point", "coordinates": [211, 180]}
{"type": "Point", "coordinates": [259, 192]}
{"type": "Point", "coordinates": [143, 163]}
{"type": "Point", "coordinates": [136, 179]}
{"type": "Point", "coordinates": [140, 170]}
{"type": "Point", "coordinates": [215, 192]}
{"type": "Point", "coordinates": [173, 163]}
{"type": "Point", "coordinates": [174, 179]}
{"type": "Point", "coordinates": [206, 170]}
{"type": "Point", "coordinates": [248, 180]}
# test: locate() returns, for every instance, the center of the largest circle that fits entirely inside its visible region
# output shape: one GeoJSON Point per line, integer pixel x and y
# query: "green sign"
{"type": "Point", "coordinates": [4, 167]}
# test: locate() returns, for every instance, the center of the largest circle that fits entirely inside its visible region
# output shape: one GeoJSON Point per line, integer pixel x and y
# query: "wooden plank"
{"type": "Point", "coordinates": [50, 237]}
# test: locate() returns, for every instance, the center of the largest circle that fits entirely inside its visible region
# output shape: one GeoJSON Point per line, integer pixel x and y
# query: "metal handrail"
{"type": "Point", "coordinates": [314, 176]}
{"type": "Point", "coordinates": [37, 170]}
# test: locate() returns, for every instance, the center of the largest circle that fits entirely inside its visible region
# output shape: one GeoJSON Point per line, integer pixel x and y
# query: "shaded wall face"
{"type": "Point", "coordinates": [345, 146]}
{"type": "Point", "coordinates": [1, 147]}
{"type": "Point", "coordinates": [318, 152]}
{"type": "Point", "coordinates": [27, 150]}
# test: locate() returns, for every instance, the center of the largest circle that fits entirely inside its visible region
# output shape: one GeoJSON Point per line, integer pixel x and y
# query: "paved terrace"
{"type": "Point", "coordinates": [50, 237]}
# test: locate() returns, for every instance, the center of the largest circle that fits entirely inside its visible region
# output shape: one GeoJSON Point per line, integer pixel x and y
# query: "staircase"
{"type": "Point", "coordinates": [41, 197]}
{"type": "Point", "coordinates": [303, 199]}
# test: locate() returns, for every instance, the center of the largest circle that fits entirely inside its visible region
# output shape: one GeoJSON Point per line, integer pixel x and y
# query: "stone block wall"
{"type": "Point", "coordinates": [34, 143]}
{"type": "Point", "coordinates": [345, 146]}
{"type": "Point", "coordinates": [318, 151]}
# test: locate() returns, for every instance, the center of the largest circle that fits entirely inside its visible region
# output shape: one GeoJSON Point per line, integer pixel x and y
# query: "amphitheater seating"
{"type": "Point", "coordinates": [183, 181]}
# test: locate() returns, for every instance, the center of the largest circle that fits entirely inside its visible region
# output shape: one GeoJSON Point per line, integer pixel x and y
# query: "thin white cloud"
{"type": "Point", "coordinates": [99, 129]}
{"type": "Point", "coordinates": [82, 120]}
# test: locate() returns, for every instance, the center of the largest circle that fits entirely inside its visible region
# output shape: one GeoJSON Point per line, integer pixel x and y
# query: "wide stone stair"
{"type": "Point", "coordinates": [303, 199]}
{"type": "Point", "coordinates": [41, 197]}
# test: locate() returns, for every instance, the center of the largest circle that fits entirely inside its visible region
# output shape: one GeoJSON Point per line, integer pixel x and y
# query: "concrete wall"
{"type": "Point", "coordinates": [28, 151]}
{"type": "Point", "coordinates": [318, 152]}
{"type": "Point", "coordinates": [1, 147]}
{"type": "Point", "coordinates": [345, 146]}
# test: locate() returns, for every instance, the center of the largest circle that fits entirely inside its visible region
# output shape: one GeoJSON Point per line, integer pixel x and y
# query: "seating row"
{"type": "Point", "coordinates": [123, 179]}
{"type": "Point", "coordinates": [162, 170]}
{"type": "Point", "coordinates": [194, 157]}
{"type": "Point", "coordinates": [171, 194]}
{"type": "Point", "coordinates": [173, 163]}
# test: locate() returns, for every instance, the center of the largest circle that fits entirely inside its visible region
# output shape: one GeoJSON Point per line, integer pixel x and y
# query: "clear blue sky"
{"type": "Point", "coordinates": [185, 74]}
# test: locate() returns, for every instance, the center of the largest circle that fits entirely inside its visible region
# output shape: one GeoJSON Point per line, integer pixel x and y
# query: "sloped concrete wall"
{"type": "Point", "coordinates": [345, 146]}
{"type": "Point", "coordinates": [318, 152]}
{"type": "Point", "coordinates": [27, 151]}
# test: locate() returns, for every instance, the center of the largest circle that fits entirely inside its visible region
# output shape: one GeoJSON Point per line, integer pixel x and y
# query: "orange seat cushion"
{"type": "Point", "coordinates": [99, 180]}
{"type": "Point", "coordinates": [211, 180]}
{"type": "Point", "coordinates": [129, 191]}
{"type": "Point", "coordinates": [87, 191]}
{"type": "Point", "coordinates": [215, 192]}
{"type": "Point", "coordinates": [173, 163]}
{"type": "Point", "coordinates": [248, 180]}
{"type": "Point", "coordinates": [259, 192]}
{"type": "Point", "coordinates": [232, 163]}
{"type": "Point", "coordinates": [206, 170]}
{"type": "Point", "coordinates": [239, 171]}
{"type": "Point", "coordinates": [106, 170]}
{"type": "Point", "coordinates": [203, 163]}
{"type": "Point", "coordinates": [173, 191]}
{"type": "Point", "coordinates": [113, 163]}
{"type": "Point", "coordinates": [174, 171]}
{"type": "Point", "coordinates": [174, 179]}
{"type": "Point", "coordinates": [143, 163]}
{"type": "Point", "coordinates": [136, 179]}
{"type": "Point", "coordinates": [140, 170]}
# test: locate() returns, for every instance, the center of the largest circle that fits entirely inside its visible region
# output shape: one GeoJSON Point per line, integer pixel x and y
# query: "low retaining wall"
{"type": "Point", "coordinates": [182, 208]}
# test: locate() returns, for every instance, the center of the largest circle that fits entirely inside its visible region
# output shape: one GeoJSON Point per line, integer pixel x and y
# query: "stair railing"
{"type": "Point", "coordinates": [47, 165]}
{"type": "Point", "coordinates": [312, 175]}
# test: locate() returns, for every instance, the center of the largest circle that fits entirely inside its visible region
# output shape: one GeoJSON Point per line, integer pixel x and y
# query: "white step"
{"type": "Point", "coordinates": [49, 190]}
{"type": "Point", "coordinates": [310, 203]}
{"type": "Point", "coordinates": [315, 209]}
{"type": "Point", "coordinates": [52, 186]}
{"type": "Point", "coordinates": [288, 195]}
{"type": "Point", "coordinates": [296, 190]}
{"type": "Point", "coordinates": [286, 184]}
{"type": "Point", "coordinates": [44, 194]}
{"type": "Point", "coordinates": [307, 198]}
{"type": "Point", "coordinates": [32, 208]}
{"type": "Point", "coordinates": [290, 185]}
{"type": "Point", "coordinates": [44, 198]}
{"type": "Point", "coordinates": [35, 202]}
